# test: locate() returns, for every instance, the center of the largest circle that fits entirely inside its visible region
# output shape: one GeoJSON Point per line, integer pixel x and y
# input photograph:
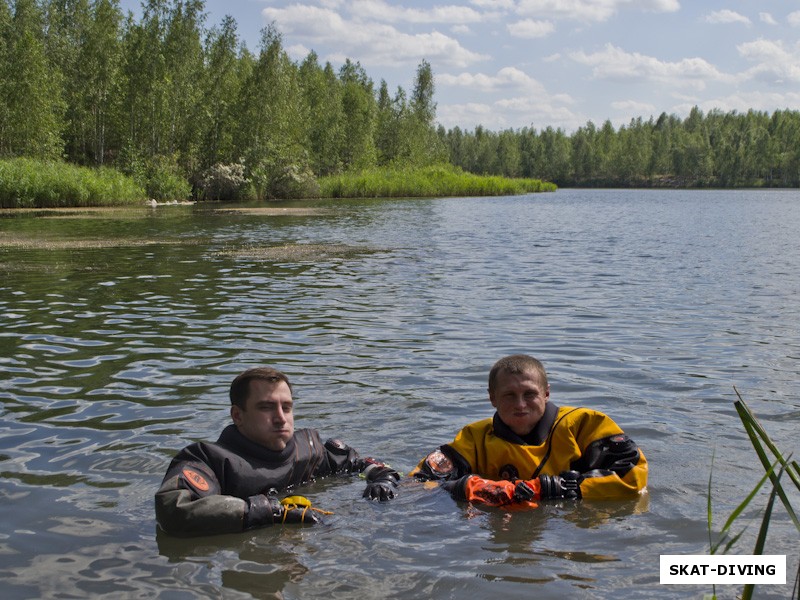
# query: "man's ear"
{"type": "Point", "coordinates": [491, 398]}
{"type": "Point", "coordinates": [236, 414]}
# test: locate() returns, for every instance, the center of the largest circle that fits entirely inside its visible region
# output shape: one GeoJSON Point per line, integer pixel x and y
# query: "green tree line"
{"type": "Point", "coordinates": [184, 107]}
{"type": "Point", "coordinates": [716, 149]}
{"type": "Point", "coordinates": [174, 102]}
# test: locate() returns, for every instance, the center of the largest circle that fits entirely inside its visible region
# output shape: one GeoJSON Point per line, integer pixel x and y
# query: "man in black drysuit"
{"type": "Point", "coordinates": [232, 485]}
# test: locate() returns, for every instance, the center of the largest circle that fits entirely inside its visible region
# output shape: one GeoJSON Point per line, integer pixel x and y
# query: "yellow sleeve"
{"type": "Point", "coordinates": [612, 465]}
{"type": "Point", "coordinates": [609, 485]}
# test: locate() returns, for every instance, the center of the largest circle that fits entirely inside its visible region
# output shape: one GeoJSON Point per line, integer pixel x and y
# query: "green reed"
{"type": "Point", "coordinates": [30, 183]}
{"type": "Point", "coordinates": [431, 181]}
{"type": "Point", "coordinates": [775, 465]}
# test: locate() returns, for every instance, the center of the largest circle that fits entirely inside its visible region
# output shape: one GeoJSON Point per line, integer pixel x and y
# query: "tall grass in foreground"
{"type": "Point", "coordinates": [29, 183]}
{"type": "Point", "coordinates": [433, 181]}
{"type": "Point", "coordinates": [763, 445]}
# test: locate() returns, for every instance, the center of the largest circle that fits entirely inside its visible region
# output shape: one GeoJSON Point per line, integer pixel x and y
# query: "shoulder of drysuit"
{"type": "Point", "coordinates": [573, 415]}
{"type": "Point", "coordinates": [476, 430]}
{"type": "Point", "coordinates": [585, 424]}
{"type": "Point", "coordinates": [240, 467]}
{"type": "Point", "coordinates": [231, 445]}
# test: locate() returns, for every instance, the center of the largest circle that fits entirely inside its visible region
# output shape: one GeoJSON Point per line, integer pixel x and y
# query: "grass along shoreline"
{"type": "Point", "coordinates": [31, 183]}
{"type": "Point", "coordinates": [27, 183]}
{"type": "Point", "coordinates": [433, 181]}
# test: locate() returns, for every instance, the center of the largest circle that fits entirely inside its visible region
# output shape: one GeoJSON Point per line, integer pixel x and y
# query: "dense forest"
{"type": "Point", "coordinates": [712, 150]}
{"type": "Point", "coordinates": [185, 108]}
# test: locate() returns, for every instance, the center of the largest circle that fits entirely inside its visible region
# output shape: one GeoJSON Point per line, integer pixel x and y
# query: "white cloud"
{"type": "Point", "coordinates": [505, 79]}
{"type": "Point", "coordinates": [509, 113]}
{"type": "Point", "coordinates": [726, 16]}
{"type": "Point", "coordinates": [540, 112]}
{"type": "Point", "coordinates": [373, 44]}
{"type": "Point", "coordinates": [380, 10]}
{"type": "Point", "coordinates": [794, 18]}
{"type": "Point", "coordinates": [767, 18]}
{"type": "Point", "coordinates": [528, 28]}
{"type": "Point", "coordinates": [615, 64]}
{"type": "Point", "coordinates": [521, 100]}
{"type": "Point", "coordinates": [493, 4]}
{"type": "Point", "coordinates": [297, 51]}
{"type": "Point", "coordinates": [467, 116]}
{"type": "Point", "coordinates": [774, 62]}
{"type": "Point", "coordinates": [659, 5]}
{"type": "Point", "coordinates": [306, 20]}
{"type": "Point", "coordinates": [590, 10]}
{"type": "Point", "coordinates": [764, 50]}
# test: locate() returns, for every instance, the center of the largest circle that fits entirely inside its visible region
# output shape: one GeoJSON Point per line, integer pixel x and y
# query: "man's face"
{"type": "Point", "coordinates": [519, 399]}
{"type": "Point", "coordinates": [267, 418]}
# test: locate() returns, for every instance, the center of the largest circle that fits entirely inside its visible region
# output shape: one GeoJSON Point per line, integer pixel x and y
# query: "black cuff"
{"type": "Point", "coordinates": [261, 511]}
{"type": "Point", "coordinates": [566, 485]}
{"type": "Point", "coordinates": [375, 473]}
{"type": "Point", "coordinates": [549, 487]}
{"type": "Point", "coordinates": [457, 487]}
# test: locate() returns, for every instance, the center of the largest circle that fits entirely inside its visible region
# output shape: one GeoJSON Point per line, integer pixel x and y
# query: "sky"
{"type": "Point", "coordinates": [508, 64]}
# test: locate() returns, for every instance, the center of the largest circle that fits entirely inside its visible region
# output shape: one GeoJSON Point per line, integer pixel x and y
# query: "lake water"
{"type": "Point", "coordinates": [387, 314]}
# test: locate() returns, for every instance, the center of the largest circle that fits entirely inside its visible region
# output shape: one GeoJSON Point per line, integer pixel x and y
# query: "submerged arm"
{"type": "Point", "coordinates": [189, 503]}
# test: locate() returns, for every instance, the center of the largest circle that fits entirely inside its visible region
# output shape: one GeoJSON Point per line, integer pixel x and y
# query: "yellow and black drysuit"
{"type": "Point", "coordinates": [571, 453]}
{"type": "Point", "coordinates": [232, 485]}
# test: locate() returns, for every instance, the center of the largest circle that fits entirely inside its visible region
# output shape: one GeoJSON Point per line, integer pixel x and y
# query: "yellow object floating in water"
{"type": "Point", "coordinates": [300, 503]}
{"type": "Point", "coordinates": [296, 501]}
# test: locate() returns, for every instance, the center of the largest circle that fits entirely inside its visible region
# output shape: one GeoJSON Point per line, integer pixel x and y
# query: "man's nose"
{"type": "Point", "coordinates": [519, 400]}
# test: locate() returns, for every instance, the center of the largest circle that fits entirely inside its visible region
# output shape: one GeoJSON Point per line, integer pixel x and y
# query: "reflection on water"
{"type": "Point", "coordinates": [120, 333]}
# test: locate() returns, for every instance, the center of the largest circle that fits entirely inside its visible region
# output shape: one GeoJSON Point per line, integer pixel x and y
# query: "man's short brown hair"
{"type": "Point", "coordinates": [240, 387]}
{"type": "Point", "coordinates": [517, 364]}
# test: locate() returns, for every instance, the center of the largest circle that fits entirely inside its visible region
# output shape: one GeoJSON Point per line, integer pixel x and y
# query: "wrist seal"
{"type": "Point", "coordinates": [566, 485]}
{"type": "Point", "coordinates": [262, 510]}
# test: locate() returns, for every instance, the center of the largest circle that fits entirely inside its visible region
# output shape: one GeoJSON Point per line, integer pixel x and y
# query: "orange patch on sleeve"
{"type": "Point", "coordinates": [196, 480]}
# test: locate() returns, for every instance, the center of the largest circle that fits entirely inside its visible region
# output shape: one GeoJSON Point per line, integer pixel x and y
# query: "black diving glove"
{"type": "Point", "coordinates": [381, 482]}
{"type": "Point", "coordinates": [567, 485]}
